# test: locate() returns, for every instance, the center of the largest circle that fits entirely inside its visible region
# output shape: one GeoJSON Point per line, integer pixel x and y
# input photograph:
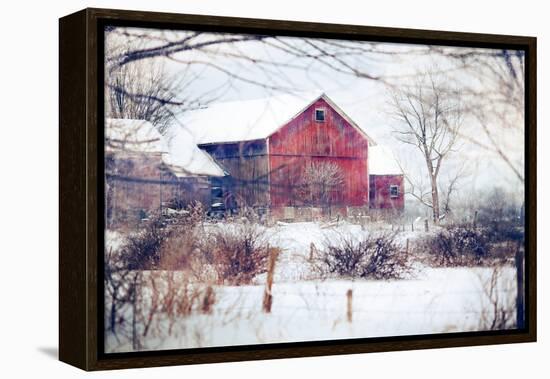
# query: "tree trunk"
{"type": "Point", "coordinates": [433, 183]}
{"type": "Point", "coordinates": [435, 199]}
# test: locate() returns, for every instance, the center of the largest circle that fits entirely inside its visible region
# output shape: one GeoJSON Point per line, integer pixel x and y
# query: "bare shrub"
{"type": "Point", "coordinates": [163, 241]}
{"type": "Point", "coordinates": [237, 253]}
{"type": "Point", "coordinates": [151, 304]}
{"type": "Point", "coordinates": [457, 245]}
{"type": "Point", "coordinates": [116, 281]}
{"type": "Point", "coordinates": [141, 250]}
{"type": "Point", "coordinates": [372, 257]}
{"type": "Point", "coordinates": [466, 245]}
{"type": "Point", "coordinates": [501, 216]}
{"type": "Point", "coordinates": [498, 312]}
{"type": "Point", "coordinates": [196, 213]}
{"type": "Point", "coordinates": [508, 229]}
{"type": "Point", "coordinates": [181, 250]}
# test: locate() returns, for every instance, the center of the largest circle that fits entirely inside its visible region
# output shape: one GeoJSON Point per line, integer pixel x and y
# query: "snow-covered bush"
{"type": "Point", "coordinates": [369, 257]}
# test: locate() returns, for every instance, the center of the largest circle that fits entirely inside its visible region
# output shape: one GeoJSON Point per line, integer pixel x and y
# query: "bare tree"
{"type": "Point", "coordinates": [263, 61]}
{"type": "Point", "coordinates": [449, 188]}
{"type": "Point", "coordinates": [430, 117]}
{"type": "Point", "coordinates": [320, 180]}
{"type": "Point", "coordinates": [142, 91]}
{"type": "Point", "coordinates": [494, 95]}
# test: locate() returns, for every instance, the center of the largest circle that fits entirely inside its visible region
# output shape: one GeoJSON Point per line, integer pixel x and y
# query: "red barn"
{"type": "Point", "coordinates": [385, 180]}
{"type": "Point", "coordinates": [293, 157]}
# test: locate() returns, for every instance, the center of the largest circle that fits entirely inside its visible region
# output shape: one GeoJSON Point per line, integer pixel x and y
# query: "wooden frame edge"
{"type": "Point", "coordinates": [78, 183]}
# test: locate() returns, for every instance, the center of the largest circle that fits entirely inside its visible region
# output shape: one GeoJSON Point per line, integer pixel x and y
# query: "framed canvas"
{"type": "Point", "coordinates": [240, 189]}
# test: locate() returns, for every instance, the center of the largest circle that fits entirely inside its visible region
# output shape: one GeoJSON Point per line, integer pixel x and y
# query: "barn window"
{"type": "Point", "coordinates": [394, 191]}
{"type": "Point", "coordinates": [320, 115]}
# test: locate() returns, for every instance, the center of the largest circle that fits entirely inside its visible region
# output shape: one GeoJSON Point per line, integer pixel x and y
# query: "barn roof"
{"type": "Point", "coordinates": [383, 162]}
{"type": "Point", "coordinates": [248, 120]}
{"type": "Point", "coordinates": [184, 157]}
{"type": "Point", "coordinates": [179, 152]}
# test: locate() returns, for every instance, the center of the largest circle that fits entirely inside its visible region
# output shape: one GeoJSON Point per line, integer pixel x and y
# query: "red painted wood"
{"type": "Point", "coordinates": [304, 140]}
{"type": "Point", "coordinates": [380, 192]}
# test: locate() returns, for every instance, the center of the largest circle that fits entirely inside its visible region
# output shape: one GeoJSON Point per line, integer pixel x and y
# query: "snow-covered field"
{"type": "Point", "coordinates": [295, 240]}
{"type": "Point", "coordinates": [431, 300]}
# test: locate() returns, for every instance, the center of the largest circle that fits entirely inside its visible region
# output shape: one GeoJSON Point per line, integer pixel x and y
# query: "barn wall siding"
{"type": "Point", "coordinates": [305, 140]}
{"type": "Point", "coordinates": [248, 166]}
{"type": "Point", "coordinates": [380, 192]}
{"type": "Point", "coordinates": [137, 185]}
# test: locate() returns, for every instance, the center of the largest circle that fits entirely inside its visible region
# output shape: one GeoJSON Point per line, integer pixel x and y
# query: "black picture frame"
{"type": "Point", "coordinates": [81, 189]}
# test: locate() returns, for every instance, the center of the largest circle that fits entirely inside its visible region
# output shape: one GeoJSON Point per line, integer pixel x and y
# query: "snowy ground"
{"type": "Point", "coordinates": [432, 300]}
{"type": "Point", "coordinates": [295, 240]}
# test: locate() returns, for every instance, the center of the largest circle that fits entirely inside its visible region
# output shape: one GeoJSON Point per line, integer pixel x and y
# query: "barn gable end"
{"type": "Point", "coordinates": [305, 140]}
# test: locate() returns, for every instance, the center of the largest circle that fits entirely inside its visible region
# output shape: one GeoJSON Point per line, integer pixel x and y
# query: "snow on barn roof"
{"type": "Point", "coordinates": [179, 152]}
{"type": "Point", "coordinates": [383, 162]}
{"type": "Point", "coordinates": [184, 157]}
{"type": "Point", "coordinates": [248, 120]}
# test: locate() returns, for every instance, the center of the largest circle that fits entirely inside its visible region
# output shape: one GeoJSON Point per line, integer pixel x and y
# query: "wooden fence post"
{"type": "Point", "coordinates": [407, 248]}
{"type": "Point", "coordinates": [350, 308]}
{"type": "Point", "coordinates": [208, 300]}
{"type": "Point", "coordinates": [268, 296]}
{"type": "Point", "coordinates": [520, 286]}
{"type": "Point", "coordinates": [312, 251]}
{"type": "Point", "coordinates": [426, 226]}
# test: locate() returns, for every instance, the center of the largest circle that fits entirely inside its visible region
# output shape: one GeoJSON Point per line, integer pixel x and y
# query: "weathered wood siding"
{"type": "Point", "coordinates": [248, 167]}
{"type": "Point", "coordinates": [138, 184]}
{"type": "Point", "coordinates": [304, 140]}
{"type": "Point", "coordinates": [380, 192]}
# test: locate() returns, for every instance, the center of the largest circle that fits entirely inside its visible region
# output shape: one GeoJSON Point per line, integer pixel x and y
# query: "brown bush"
{"type": "Point", "coordinates": [181, 249]}
{"type": "Point", "coordinates": [164, 241]}
{"type": "Point", "coordinates": [372, 257]}
{"type": "Point", "coordinates": [237, 253]}
{"type": "Point", "coordinates": [458, 245]}
{"type": "Point", "coordinates": [141, 248]}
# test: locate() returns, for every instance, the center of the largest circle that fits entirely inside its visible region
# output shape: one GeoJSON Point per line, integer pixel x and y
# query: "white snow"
{"type": "Point", "coordinates": [247, 120]}
{"type": "Point", "coordinates": [440, 301]}
{"type": "Point", "coordinates": [432, 300]}
{"type": "Point", "coordinates": [179, 151]}
{"type": "Point", "coordinates": [382, 161]}
{"type": "Point", "coordinates": [185, 158]}
{"type": "Point", "coordinates": [244, 120]}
